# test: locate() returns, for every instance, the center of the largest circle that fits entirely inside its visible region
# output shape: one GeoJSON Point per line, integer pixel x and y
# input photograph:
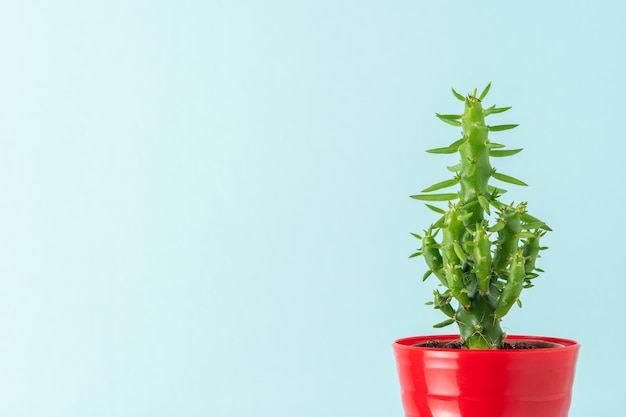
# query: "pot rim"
{"type": "Point", "coordinates": [559, 344]}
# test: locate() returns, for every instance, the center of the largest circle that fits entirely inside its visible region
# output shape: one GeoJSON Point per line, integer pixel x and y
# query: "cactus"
{"type": "Point", "coordinates": [483, 260]}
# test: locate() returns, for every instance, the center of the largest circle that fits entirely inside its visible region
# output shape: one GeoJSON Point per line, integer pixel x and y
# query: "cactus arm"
{"type": "Point", "coordinates": [454, 275]}
{"type": "Point", "coordinates": [482, 258]}
{"type": "Point", "coordinates": [432, 256]}
{"type": "Point", "coordinates": [453, 231]}
{"type": "Point", "coordinates": [508, 239]}
{"type": "Point", "coordinates": [531, 249]}
{"type": "Point", "coordinates": [442, 302]}
{"type": "Point", "coordinates": [531, 252]}
{"type": "Point", "coordinates": [514, 285]}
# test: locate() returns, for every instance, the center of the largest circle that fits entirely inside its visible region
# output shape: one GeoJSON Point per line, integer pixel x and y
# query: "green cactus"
{"type": "Point", "coordinates": [482, 262]}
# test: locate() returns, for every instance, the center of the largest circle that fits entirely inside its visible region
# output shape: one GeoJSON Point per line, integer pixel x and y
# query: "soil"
{"type": "Point", "coordinates": [456, 344]}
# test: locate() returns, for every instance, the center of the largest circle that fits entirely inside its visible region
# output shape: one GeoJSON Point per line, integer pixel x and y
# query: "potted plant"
{"type": "Point", "coordinates": [483, 253]}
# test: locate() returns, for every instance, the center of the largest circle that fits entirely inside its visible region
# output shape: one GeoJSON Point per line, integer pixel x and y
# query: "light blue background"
{"type": "Point", "coordinates": [204, 205]}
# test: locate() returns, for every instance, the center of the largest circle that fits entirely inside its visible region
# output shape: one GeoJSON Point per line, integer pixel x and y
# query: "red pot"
{"type": "Point", "coordinates": [486, 383]}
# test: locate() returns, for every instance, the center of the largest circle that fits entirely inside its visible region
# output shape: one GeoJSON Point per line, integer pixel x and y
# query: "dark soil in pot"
{"type": "Point", "coordinates": [512, 344]}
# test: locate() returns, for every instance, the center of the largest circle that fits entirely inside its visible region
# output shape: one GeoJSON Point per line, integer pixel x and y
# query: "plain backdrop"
{"type": "Point", "coordinates": [204, 205]}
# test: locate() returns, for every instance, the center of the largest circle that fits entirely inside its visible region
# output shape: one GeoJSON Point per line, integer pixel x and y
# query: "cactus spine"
{"type": "Point", "coordinates": [482, 266]}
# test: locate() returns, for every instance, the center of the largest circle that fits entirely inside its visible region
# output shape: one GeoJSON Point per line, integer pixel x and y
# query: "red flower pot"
{"type": "Point", "coordinates": [486, 383]}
